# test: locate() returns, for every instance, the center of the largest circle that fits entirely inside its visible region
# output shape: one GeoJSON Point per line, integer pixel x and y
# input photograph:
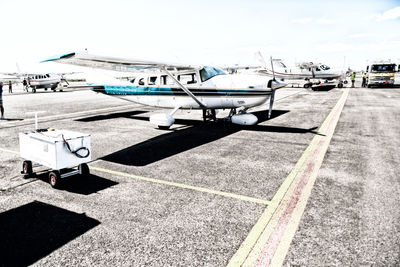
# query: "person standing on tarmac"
{"type": "Point", "coordinates": [364, 80]}
{"type": "Point", "coordinates": [1, 101]}
{"type": "Point", "coordinates": [353, 79]}
{"type": "Point", "coordinates": [10, 87]}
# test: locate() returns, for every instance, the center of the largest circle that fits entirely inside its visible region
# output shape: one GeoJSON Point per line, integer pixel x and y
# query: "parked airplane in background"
{"type": "Point", "coordinates": [307, 71]}
{"type": "Point", "coordinates": [39, 80]}
{"type": "Point", "coordinates": [180, 86]}
{"type": "Point", "coordinates": [314, 74]}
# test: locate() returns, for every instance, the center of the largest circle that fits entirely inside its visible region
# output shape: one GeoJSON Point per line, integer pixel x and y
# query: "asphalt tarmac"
{"type": "Point", "coordinates": [191, 195]}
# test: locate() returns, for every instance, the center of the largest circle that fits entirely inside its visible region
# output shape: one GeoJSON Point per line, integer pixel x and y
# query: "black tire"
{"type": "Point", "coordinates": [340, 85]}
{"type": "Point", "coordinates": [84, 170]}
{"type": "Point", "coordinates": [54, 179]}
{"type": "Point", "coordinates": [27, 168]}
{"type": "Point", "coordinates": [33, 90]}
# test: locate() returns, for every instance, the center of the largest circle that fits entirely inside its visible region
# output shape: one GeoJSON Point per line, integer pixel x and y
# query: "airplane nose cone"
{"type": "Point", "coordinates": [276, 84]}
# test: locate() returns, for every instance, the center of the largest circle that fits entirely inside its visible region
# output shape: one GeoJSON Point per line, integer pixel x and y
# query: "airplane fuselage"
{"type": "Point", "coordinates": [43, 81]}
{"type": "Point", "coordinates": [217, 92]}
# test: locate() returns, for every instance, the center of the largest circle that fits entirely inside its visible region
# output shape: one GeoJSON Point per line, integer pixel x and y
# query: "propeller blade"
{"type": "Point", "coordinates": [271, 103]}
{"type": "Point", "coordinates": [273, 72]}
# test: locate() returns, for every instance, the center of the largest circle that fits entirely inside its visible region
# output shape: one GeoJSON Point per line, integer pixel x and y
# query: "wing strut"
{"type": "Point", "coordinates": [187, 91]}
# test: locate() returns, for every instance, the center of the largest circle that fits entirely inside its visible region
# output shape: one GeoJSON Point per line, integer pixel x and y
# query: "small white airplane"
{"type": "Point", "coordinates": [180, 86]}
{"type": "Point", "coordinates": [306, 71]}
{"type": "Point", "coordinates": [39, 80]}
{"type": "Point", "coordinates": [313, 74]}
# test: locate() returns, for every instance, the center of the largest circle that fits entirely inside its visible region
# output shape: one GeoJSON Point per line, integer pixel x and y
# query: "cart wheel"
{"type": "Point", "coordinates": [27, 168]}
{"type": "Point", "coordinates": [84, 169]}
{"type": "Point", "coordinates": [54, 177]}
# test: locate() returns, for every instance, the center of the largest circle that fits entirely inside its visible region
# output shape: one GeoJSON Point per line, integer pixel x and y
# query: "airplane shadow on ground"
{"type": "Point", "coordinates": [80, 185]}
{"type": "Point", "coordinates": [176, 141]}
{"type": "Point", "coordinates": [34, 230]}
{"type": "Point", "coordinates": [125, 114]}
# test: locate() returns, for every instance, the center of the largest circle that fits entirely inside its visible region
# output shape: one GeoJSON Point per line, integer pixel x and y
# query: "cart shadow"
{"type": "Point", "coordinates": [34, 230]}
{"type": "Point", "coordinates": [12, 119]}
{"type": "Point", "coordinates": [79, 185]}
{"type": "Point", "coordinates": [199, 133]}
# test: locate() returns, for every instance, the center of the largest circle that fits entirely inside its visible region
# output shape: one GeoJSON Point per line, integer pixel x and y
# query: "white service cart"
{"type": "Point", "coordinates": [59, 150]}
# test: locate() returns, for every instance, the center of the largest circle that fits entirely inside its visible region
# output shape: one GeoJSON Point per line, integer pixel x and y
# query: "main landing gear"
{"type": "Point", "coordinates": [209, 114]}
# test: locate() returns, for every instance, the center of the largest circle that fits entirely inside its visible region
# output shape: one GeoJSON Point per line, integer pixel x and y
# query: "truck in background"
{"type": "Point", "coordinates": [381, 74]}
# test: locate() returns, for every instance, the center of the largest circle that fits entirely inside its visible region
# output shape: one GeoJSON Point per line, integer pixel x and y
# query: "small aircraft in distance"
{"type": "Point", "coordinates": [39, 80]}
{"type": "Point", "coordinates": [179, 86]}
{"type": "Point", "coordinates": [307, 71]}
{"type": "Point", "coordinates": [314, 74]}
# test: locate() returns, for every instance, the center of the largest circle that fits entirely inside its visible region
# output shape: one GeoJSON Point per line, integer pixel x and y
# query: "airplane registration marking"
{"type": "Point", "coordinates": [184, 186]}
{"type": "Point", "coordinates": [269, 240]}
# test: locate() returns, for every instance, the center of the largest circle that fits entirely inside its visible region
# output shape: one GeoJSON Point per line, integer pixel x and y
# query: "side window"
{"type": "Point", "coordinates": [141, 81]}
{"type": "Point", "coordinates": [166, 80]}
{"type": "Point", "coordinates": [163, 79]}
{"type": "Point", "coordinates": [187, 78]}
{"type": "Point", "coordinates": [152, 80]}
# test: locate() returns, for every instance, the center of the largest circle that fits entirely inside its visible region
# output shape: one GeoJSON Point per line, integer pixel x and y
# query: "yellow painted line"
{"type": "Point", "coordinates": [158, 181]}
{"type": "Point", "coordinates": [195, 188]}
{"type": "Point", "coordinates": [9, 151]}
{"type": "Point", "coordinates": [69, 115]}
{"type": "Point", "coordinates": [283, 247]}
{"type": "Point", "coordinates": [249, 251]}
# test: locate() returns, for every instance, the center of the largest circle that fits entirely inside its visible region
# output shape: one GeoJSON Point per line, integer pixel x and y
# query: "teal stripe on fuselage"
{"type": "Point", "coordinates": [137, 90]}
{"type": "Point", "coordinates": [168, 91]}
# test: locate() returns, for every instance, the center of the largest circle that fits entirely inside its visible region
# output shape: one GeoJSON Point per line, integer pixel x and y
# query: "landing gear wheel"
{"type": "Point", "coordinates": [84, 170]}
{"type": "Point", "coordinates": [27, 168]}
{"type": "Point", "coordinates": [33, 90]}
{"type": "Point", "coordinates": [340, 85]}
{"type": "Point", "coordinates": [54, 179]}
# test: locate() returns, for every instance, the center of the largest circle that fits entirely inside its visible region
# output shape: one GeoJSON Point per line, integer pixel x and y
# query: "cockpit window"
{"type": "Point", "coordinates": [324, 67]}
{"type": "Point", "coordinates": [208, 72]}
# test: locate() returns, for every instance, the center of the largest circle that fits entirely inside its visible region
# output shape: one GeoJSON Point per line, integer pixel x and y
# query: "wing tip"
{"type": "Point", "coordinates": [63, 56]}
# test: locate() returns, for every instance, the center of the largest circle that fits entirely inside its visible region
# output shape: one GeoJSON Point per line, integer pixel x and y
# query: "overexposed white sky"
{"type": "Point", "coordinates": [224, 32]}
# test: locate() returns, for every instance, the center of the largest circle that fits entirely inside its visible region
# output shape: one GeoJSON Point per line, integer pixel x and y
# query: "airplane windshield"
{"type": "Point", "coordinates": [324, 67]}
{"type": "Point", "coordinates": [383, 68]}
{"type": "Point", "coordinates": [208, 72]}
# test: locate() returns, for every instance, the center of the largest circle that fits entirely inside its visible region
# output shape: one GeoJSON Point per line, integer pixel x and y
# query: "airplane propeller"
{"type": "Point", "coordinates": [272, 97]}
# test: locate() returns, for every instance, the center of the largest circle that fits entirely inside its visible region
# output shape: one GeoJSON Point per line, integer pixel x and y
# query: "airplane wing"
{"type": "Point", "coordinates": [126, 65]}
{"type": "Point", "coordinates": [115, 64]}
